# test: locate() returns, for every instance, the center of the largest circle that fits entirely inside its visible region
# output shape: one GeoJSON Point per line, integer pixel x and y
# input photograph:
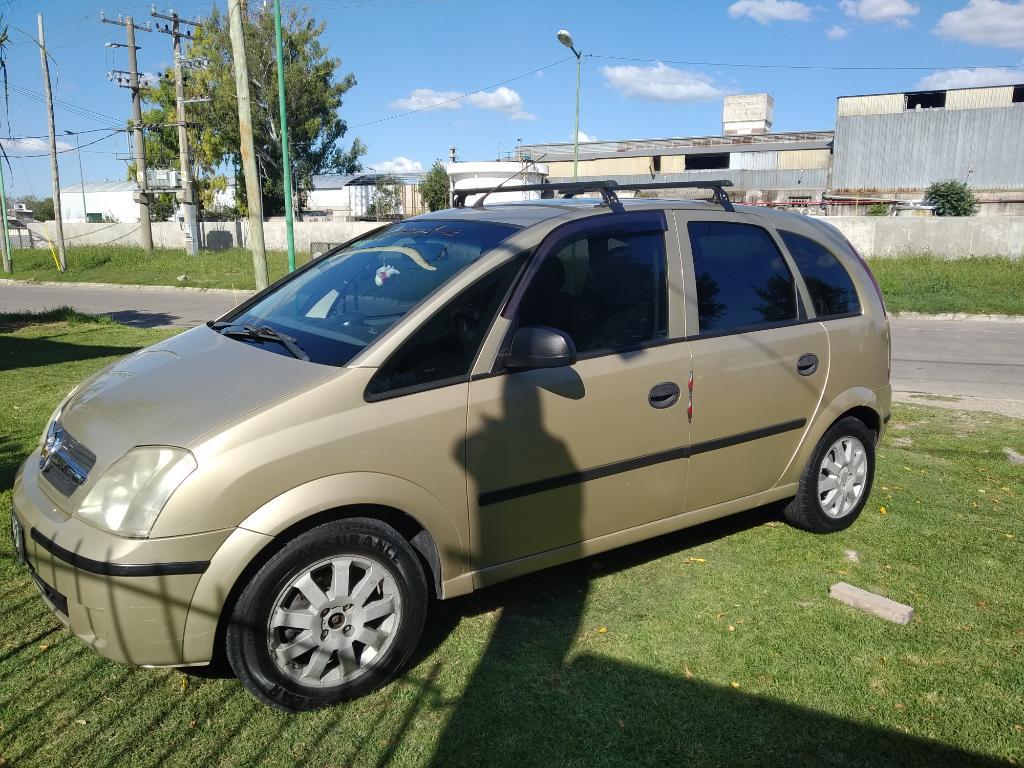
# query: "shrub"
{"type": "Point", "coordinates": [951, 198]}
{"type": "Point", "coordinates": [878, 209]}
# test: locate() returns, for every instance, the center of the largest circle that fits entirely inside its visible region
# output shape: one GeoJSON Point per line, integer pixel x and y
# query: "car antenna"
{"type": "Point", "coordinates": [480, 200]}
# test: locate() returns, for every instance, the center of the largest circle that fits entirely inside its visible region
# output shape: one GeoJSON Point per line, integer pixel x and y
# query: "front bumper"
{"type": "Point", "coordinates": [127, 598]}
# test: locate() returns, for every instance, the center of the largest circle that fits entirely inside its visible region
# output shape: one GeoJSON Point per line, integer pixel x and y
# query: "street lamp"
{"type": "Point", "coordinates": [81, 175]}
{"type": "Point", "coordinates": [566, 39]}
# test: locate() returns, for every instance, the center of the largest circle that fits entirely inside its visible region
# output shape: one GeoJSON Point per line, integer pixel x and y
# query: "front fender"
{"type": "Point", "coordinates": [264, 525]}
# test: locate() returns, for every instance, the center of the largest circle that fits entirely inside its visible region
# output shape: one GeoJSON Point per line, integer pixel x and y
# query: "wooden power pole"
{"type": "Point", "coordinates": [143, 195]}
{"type": "Point", "coordinates": [188, 202]}
{"type": "Point", "coordinates": [253, 190]}
{"type": "Point", "coordinates": [61, 256]}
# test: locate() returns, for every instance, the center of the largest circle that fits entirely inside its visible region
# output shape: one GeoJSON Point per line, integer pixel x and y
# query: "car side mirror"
{"type": "Point", "coordinates": [537, 346]}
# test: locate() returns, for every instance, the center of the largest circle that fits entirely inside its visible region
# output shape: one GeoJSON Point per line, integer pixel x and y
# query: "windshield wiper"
{"type": "Point", "coordinates": [249, 331]}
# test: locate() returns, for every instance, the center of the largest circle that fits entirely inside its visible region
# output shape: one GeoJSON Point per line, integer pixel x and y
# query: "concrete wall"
{"type": "Point", "coordinates": [952, 238]}
{"type": "Point", "coordinates": [214, 235]}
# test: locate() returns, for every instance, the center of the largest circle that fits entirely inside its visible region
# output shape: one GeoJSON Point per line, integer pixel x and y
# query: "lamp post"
{"type": "Point", "coordinates": [566, 39]}
{"type": "Point", "coordinates": [81, 174]}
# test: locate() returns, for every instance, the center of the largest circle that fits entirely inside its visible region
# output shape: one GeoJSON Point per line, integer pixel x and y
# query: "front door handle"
{"type": "Point", "coordinates": [807, 364]}
{"type": "Point", "coordinates": [663, 395]}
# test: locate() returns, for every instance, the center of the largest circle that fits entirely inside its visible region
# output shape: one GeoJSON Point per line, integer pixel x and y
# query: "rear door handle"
{"type": "Point", "coordinates": [807, 364]}
{"type": "Point", "coordinates": [663, 395]}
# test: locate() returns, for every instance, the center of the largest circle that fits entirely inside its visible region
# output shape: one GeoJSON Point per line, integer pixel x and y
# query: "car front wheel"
{"type": "Point", "coordinates": [331, 616]}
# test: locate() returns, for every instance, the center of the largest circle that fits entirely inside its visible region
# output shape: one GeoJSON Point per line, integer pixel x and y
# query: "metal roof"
{"type": "Point", "coordinates": [342, 180]}
{"type": "Point", "coordinates": [103, 186]}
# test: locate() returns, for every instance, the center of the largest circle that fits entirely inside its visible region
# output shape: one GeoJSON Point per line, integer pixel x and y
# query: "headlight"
{"type": "Point", "coordinates": [128, 497]}
{"type": "Point", "coordinates": [50, 435]}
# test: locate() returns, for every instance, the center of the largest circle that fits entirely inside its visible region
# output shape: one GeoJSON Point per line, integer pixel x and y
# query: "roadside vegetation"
{"type": "Point", "coordinates": [714, 646]}
{"type": "Point", "coordinates": [912, 282]}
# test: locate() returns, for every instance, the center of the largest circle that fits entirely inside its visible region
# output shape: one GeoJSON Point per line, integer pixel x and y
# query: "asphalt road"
{"type": "Point", "coordinates": [980, 363]}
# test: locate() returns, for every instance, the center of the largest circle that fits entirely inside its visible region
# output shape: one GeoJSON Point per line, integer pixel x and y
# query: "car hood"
{"type": "Point", "coordinates": [176, 391]}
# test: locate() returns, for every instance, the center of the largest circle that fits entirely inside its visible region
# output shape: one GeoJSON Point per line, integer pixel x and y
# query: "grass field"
{"type": "Point", "coordinates": [910, 283]}
{"type": "Point", "coordinates": [714, 646]}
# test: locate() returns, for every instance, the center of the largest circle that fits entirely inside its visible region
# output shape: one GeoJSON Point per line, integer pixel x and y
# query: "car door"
{"type": "Point", "coordinates": [559, 456]}
{"type": "Point", "coordinates": [759, 363]}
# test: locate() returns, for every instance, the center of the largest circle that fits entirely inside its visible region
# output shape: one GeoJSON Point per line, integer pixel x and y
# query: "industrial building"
{"type": "Point", "coordinates": [884, 148]}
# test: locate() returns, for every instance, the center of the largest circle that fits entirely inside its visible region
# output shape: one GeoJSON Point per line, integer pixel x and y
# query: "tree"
{"type": "Point", "coordinates": [162, 207]}
{"type": "Point", "coordinates": [434, 189]}
{"type": "Point", "coordinates": [41, 207]}
{"type": "Point", "coordinates": [387, 198]}
{"type": "Point", "coordinates": [313, 96]}
{"type": "Point", "coordinates": [951, 198]}
{"type": "Point", "coordinates": [878, 209]}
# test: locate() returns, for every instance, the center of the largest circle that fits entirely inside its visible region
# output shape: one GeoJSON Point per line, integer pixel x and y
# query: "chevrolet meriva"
{"type": "Point", "coordinates": [445, 403]}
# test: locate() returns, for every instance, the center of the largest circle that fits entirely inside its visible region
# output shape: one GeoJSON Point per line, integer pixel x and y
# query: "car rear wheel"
{"type": "Point", "coordinates": [836, 482]}
{"type": "Point", "coordinates": [331, 616]}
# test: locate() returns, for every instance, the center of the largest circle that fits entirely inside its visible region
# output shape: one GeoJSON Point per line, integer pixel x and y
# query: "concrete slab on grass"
{"type": "Point", "coordinates": [869, 602]}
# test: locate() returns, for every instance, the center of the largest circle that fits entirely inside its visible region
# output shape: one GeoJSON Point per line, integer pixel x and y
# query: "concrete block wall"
{"type": "Point", "coordinates": [953, 238]}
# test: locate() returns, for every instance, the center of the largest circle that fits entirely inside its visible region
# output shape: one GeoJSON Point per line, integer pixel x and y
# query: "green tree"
{"type": "Point", "coordinates": [41, 207]}
{"type": "Point", "coordinates": [162, 207]}
{"type": "Point", "coordinates": [314, 89]}
{"type": "Point", "coordinates": [951, 198]}
{"type": "Point", "coordinates": [878, 209]}
{"type": "Point", "coordinates": [387, 198]}
{"type": "Point", "coordinates": [434, 188]}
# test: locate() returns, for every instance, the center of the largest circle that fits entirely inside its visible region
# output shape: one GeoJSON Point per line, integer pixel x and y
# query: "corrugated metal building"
{"type": "Point", "coordinates": [896, 144]}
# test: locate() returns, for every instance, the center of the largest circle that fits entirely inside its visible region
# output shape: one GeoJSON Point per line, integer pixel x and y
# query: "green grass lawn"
{"type": "Point", "coordinates": [129, 265]}
{"type": "Point", "coordinates": [921, 283]}
{"type": "Point", "coordinates": [714, 646]}
{"type": "Point", "coordinates": [910, 283]}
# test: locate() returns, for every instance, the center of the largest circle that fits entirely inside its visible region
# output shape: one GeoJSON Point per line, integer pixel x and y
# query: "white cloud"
{"type": "Point", "coordinates": [985, 22]}
{"type": "Point", "coordinates": [767, 11]}
{"type": "Point", "coordinates": [661, 83]}
{"type": "Point", "coordinates": [426, 98]}
{"type": "Point", "coordinates": [969, 78]}
{"type": "Point", "coordinates": [836, 33]}
{"type": "Point", "coordinates": [585, 137]}
{"type": "Point", "coordinates": [33, 145]}
{"type": "Point", "coordinates": [398, 165]}
{"type": "Point", "coordinates": [504, 100]}
{"type": "Point", "coordinates": [896, 11]}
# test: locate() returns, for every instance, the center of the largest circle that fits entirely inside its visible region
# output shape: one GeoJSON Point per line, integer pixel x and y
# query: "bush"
{"type": "Point", "coordinates": [878, 209]}
{"type": "Point", "coordinates": [951, 198]}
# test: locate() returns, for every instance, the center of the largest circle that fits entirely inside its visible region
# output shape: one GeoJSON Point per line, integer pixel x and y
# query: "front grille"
{"type": "Point", "coordinates": [68, 465]}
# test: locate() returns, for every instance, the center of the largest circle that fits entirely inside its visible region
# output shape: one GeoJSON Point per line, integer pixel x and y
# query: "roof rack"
{"type": "Point", "coordinates": [606, 187]}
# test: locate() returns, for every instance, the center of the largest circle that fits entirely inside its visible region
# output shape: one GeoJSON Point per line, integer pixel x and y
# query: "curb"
{"type": "Point", "coordinates": [129, 287]}
{"type": "Point", "coordinates": [956, 316]}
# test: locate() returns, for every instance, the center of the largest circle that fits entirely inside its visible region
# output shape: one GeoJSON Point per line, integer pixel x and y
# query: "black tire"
{"type": "Point", "coordinates": [248, 635]}
{"type": "Point", "coordinates": [805, 510]}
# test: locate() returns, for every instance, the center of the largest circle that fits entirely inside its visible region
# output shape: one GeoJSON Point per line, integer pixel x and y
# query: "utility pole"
{"type": "Point", "coordinates": [142, 197]}
{"type": "Point", "coordinates": [188, 187]}
{"type": "Point", "coordinates": [6, 241]}
{"type": "Point", "coordinates": [61, 256]}
{"type": "Point", "coordinates": [253, 188]}
{"type": "Point", "coordinates": [289, 218]}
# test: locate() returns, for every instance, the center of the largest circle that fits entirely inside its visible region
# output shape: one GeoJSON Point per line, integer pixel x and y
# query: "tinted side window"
{"type": "Point", "coordinates": [607, 291]}
{"type": "Point", "coordinates": [445, 345]}
{"type": "Point", "coordinates": [742, 278]}
{"type": "Point", "coordinates": [829, 284]}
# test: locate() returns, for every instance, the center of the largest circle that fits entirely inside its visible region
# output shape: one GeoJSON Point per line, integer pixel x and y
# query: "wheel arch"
{"type": "Point", "coordinates": [266, 531]}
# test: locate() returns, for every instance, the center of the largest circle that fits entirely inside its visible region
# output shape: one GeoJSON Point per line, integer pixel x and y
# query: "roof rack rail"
{"type": "Point", "coordinates": [569, 189]}
{"type": "Point", "coordinates": [715, 185]}
{"type": "Point", "coordinates": [606, 187]}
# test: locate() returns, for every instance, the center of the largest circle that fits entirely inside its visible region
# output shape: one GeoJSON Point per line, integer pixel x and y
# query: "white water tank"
{"type": "Point", "coordinates": [488, 175]}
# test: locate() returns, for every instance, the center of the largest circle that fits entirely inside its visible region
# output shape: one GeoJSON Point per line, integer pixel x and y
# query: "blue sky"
{"type": "Point", "coordinates": [412, 53]}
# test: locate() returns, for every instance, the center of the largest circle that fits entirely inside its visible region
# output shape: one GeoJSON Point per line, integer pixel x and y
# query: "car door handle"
{"type": "Point", "coordinates": [807, 364]}
{"type": "Point", "coordinates": [663, 395]}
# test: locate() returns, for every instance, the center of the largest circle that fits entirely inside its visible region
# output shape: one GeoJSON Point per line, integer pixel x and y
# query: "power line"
{"type": "Point", "coordinates": [825, 67]}
{"type": "Point", "coordinates": [73, 149]}
{"type": "Point", "coordinates": [461, 96]}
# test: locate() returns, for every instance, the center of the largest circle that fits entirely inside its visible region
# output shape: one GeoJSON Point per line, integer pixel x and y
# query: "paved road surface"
{"type": "Point", "coordinates": [980, 362]}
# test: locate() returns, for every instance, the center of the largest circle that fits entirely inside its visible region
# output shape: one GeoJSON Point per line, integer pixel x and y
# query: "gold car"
{"type": "Point", "coordinates": [448, 402]}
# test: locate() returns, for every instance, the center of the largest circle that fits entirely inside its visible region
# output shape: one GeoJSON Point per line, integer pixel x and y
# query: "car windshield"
{"type": "Point", "coordinates": [344, 302]}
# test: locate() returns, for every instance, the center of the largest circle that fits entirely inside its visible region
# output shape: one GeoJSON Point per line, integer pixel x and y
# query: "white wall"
{"type": "Point", "coordinates": [487, 175]}
{"type": "Point", "coordinates": [118, 206]}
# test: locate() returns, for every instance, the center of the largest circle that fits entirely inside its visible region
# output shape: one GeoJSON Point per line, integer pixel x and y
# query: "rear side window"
{"type": "Point", "coordinates": [830, 286]}
{"type": "Point", "coordinates": [443, 348]}
{"type": "Point", "coordinates": [742, 279]}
